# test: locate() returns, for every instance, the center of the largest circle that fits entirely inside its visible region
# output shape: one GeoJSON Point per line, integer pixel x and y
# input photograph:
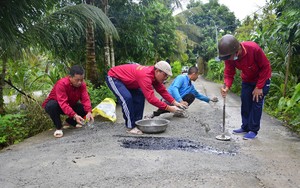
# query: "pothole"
{"type": "Point", "coordinates": [163, 143]}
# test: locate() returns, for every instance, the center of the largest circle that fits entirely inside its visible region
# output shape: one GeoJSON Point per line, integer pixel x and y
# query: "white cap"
{"type": "Point", "coordinates": [164, 66]}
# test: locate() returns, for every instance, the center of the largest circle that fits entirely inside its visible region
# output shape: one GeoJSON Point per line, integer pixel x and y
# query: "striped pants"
{"type": "Point", "coordinates": [132, 101]}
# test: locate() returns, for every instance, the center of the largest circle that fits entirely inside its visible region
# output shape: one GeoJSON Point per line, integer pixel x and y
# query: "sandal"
{"type": "Point", "coordinates": [78, 125]}
{"type": "Point", "coordinates": [66, 125]}
{"type": "Point", "coordinates": [135, 131]}
{"type": "Point", "coordinates": [58, 134]}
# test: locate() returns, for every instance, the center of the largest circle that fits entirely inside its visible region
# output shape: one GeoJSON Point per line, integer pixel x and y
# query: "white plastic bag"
{"type": "Point", "coordinates": [107, 109]}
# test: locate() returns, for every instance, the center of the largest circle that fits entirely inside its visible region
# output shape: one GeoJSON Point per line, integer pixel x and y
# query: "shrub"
{"type": "Point", "coordinates": [18, 124]}
{"type": "Point", "coordinates": [12, 129]}
{"type": "Point", "coordinates": [100, 93]}
{"type": "Point", "coordinates": [290, 109]}
{"type": "Point", "coordinates": [37, 120]}
{"type": "Point", "coordinates": [176, 68]}
{"type": "Point", "coordinates": [215, 70]}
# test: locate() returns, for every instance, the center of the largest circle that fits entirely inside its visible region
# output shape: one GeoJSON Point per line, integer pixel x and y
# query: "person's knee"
{"type": "Point", "coordinates": [128, 99]}
{"type": "Point", "coordinates": [51, 106]}
{"type": "Point", "coordinates": [189, 98]}
{"type": "Point", "coordinates": [79, 109]}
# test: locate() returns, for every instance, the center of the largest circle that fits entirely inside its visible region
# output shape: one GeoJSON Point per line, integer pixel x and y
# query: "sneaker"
{"type": "Point", "coordinates": [238, 131]}
{"type": "Point", "coordinates": [249, 136]}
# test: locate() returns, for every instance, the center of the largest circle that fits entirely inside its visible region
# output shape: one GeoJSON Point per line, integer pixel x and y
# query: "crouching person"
{"type": "Point", "coordinates": [133, 83]}
{"type": "Point", "coordinates": [184, 92]}
{"type": "Point", "coordinates": [64, 99]}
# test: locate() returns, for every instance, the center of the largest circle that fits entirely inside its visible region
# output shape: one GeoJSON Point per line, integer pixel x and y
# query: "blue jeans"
{"type": "Point", "coordinates": [251, 111]}
{"type": "Point", "coordinates": [132, 101]}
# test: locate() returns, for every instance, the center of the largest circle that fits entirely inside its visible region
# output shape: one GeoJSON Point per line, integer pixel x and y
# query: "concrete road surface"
{"type": "Point", "coordinates": [185, 155]}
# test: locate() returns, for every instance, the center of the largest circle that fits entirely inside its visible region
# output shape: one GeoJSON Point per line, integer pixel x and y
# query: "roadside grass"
{"type": "Point", "coordinates": [22, 121]}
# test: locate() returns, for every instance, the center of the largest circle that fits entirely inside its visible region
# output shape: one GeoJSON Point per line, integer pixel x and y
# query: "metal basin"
{"type": "Point", "coordinates": [152, 125]}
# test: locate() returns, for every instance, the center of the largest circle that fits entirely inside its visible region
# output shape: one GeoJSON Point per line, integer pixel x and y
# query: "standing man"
{"type": "Point", "coordinates": [255, 73]}
{"type": "Point", "coordinates": [64, 99]}
{"type": "Point", "coordinates": [184, 91]}
{"type": "Point", "coordinates": [132, 83]}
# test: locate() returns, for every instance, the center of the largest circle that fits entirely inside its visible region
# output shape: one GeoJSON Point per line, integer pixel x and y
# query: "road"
{"type": "Point", "coordinates": [183, 156]}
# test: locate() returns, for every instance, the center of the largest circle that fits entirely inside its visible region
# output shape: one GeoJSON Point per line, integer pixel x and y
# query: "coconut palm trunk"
{"type": "Point", "coordinates": [2, 78]}
{"type": "Point", "coordinates": [107, 56]}
{"type": "Point", "coordinates": [106, 51]}
{"type": "Point", "coordinates": [91, 65]}
{"type": "Point", "coordinates": [112, 52]}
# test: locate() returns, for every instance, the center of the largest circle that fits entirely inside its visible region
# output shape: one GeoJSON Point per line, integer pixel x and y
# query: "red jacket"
{"type": "Point", "coordinates": [253, 63]}
{"type": "Point", "coordinates": [67, 96]}
{"type": "Point", "coordinates": [136, 76]}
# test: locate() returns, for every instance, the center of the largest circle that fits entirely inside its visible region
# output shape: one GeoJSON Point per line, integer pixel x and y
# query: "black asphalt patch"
{"type": "Point", "coordinates": [164, 143]}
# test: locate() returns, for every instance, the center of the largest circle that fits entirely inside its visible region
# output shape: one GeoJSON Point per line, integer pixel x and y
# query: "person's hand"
{"type": "Point", "coordinates": [174, 109]}
{"type": "Point", "coordinates": [257, 94]}
{"type": "Point", "coordinates": [214, 99]}
{"type": "Point", "coordinates": [224, 91]}
{"type": "Point", "coordinates": [78, 119]}
{"type": "Point", "coordinates": [89, 117]}
{"type": "Point", "coordinates": [181, 106]}
{"type": "Point", "coordinates": [184, 103]}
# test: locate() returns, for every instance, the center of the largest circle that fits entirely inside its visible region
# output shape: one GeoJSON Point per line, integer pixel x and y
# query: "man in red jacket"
{"type": "Point", "coordinates": [64, 99]}
{"type": "Point", "coordinates": [132, 83]}
{"type": "Point", "coordinates": [255, 73]}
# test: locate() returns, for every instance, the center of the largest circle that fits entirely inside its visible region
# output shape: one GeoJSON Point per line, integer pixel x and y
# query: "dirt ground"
{"type": "Point", "coordinates": [185, 155]}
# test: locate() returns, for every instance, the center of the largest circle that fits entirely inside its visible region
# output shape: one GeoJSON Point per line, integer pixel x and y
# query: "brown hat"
{"type": "Point", "coordinates": [164, 66]}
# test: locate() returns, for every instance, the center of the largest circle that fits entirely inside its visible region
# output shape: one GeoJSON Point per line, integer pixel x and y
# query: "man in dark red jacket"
{"type": "Point", "coordinates": [255, 73]}
{"type": "Point", "coordinates": [64, 99]}
{"type": "Point", "coordinates": [132, 83]}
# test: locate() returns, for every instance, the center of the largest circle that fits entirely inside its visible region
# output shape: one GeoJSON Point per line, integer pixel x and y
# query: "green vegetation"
{"type": "Point", "coordinates": [99, 94]}
{"type": "Point", "coordinates": [37, 48]}
{"type": "Point", "coordinates": [12, 130]}
{"type": "Point", "coordinates": [279, 36]}
{"type": "Point", "coordinates": [22, 121]}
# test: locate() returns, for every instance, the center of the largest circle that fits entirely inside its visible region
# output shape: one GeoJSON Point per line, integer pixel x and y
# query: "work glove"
{"type": "Point", "coordinates": [214, 99]}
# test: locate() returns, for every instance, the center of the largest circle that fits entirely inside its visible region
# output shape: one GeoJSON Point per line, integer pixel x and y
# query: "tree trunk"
{"type": "Point", "coordinates": [2, 83]}
{"type": "Point", "coordinates": [112, 52]}
{"type": "Point", "coordinates": [287, 71]}
{"type": "Point", "coordinates": [91, 66]}
{"type": "Point", "coordinates": [106, 51]}
{"type": "Point", "coordinates": [107, 59]}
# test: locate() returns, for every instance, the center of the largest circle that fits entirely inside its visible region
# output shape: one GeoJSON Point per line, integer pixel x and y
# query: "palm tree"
{"type": "Point", "coordinates": [26, 23]}
{"type": "Point", "coordinates": [91, 66]}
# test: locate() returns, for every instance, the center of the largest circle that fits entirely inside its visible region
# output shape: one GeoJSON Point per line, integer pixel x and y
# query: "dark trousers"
{"type": "Point", "coordinates": [53, 109]}
{"type": "Point", "coordinates": [189, 98]}
{"type": "Point", "coordinates": [251, 111]}
{"type": "Point", "coordinates": [132, 101]}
